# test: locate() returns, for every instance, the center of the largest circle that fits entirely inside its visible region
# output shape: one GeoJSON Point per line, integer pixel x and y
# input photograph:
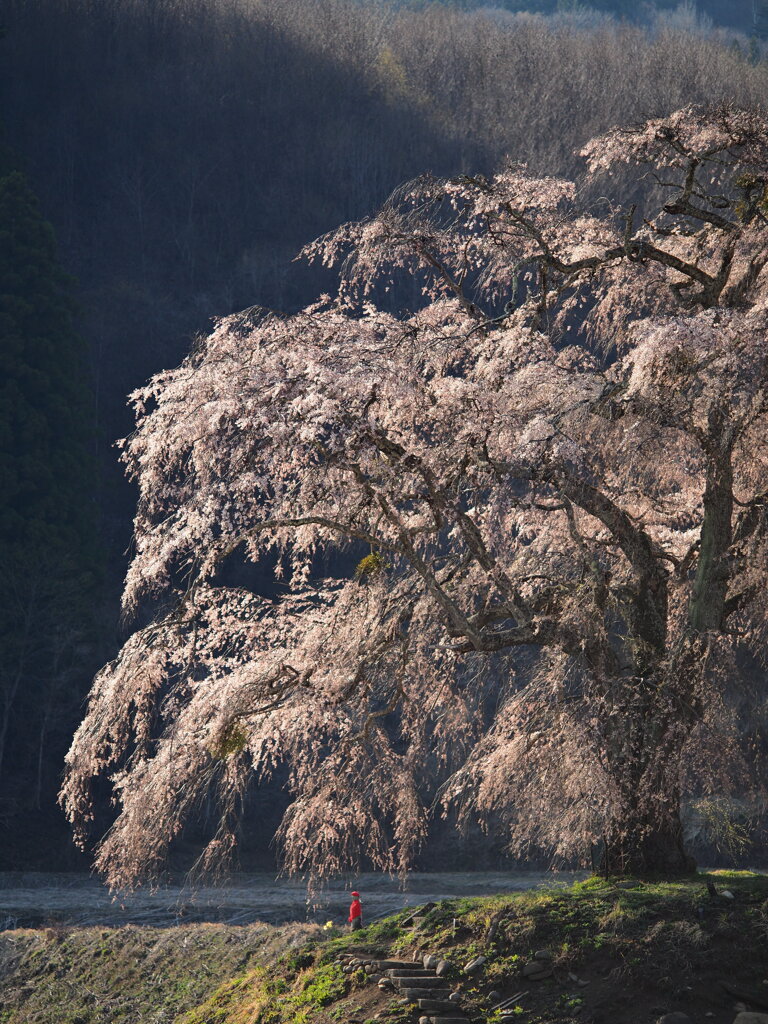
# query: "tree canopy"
{"type": "Point", "coordinates": [556, 465]}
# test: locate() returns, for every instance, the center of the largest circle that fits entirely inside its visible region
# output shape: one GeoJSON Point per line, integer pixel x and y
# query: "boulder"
{"type": "Point", "coordinates": [675, 1018]}
{"type": "Point", "coordinates": [418, 915]}
{"type": "Point", "coordinates": [537, 970]}
{"type": "Point", "coordinates": [542, 954]}
{"type": "Point", "coordinates": [748, 1017]}
{"type": "Point", "coordinates": [474, 965]}
{"type": "Point", "coordinates": [431, 961]}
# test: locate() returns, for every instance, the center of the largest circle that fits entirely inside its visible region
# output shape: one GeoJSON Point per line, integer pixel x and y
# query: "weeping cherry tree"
{"type": "Point", "coordinates": [553, 476]}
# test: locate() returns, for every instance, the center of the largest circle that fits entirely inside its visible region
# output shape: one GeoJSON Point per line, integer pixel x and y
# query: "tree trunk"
{"type": "Point", "coordinates": [641, 846]}
{"type": "Point", "coordinates": [710, 584]}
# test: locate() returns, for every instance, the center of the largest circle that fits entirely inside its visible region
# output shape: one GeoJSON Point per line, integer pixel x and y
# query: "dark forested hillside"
{"type": "Point", "coordinates": [49, 555]}
{"type": "Point", "coordinates": [744, 15]}
{"type": "Point", "coordinates": [184, 150]}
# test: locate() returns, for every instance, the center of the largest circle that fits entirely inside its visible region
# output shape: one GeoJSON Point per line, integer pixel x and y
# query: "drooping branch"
{"type": "Point", "coordinates": [345, 529]}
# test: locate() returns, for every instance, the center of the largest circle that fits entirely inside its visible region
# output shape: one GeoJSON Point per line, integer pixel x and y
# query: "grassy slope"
{"type": "Point", "coordinates": [127, 975]}
{"type": "Point", "coordinates": [641, 951]}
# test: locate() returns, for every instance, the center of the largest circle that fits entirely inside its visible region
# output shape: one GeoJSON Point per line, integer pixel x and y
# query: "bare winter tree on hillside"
{"type": "Point", "coordinates": [558, 467]}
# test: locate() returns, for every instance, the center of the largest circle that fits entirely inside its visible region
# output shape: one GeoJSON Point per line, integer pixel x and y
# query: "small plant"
{"type": "Point", "coordinates": [230, 740]}
{"type": "Point", "coordinates": [370, 566]}
{"type": "Point", "coordinates": [570, 1003]}
{"type": "Point", "coordinates": [496, 1017]}
{"type": "Point", "coordinates": [754, 196]}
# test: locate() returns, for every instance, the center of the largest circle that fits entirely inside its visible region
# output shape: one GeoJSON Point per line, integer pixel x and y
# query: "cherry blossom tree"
{"type": "Point", "coordinates": [553, 476]}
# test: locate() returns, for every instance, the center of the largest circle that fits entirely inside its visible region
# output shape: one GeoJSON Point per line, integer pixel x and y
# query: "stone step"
{"type": "Point", "coordinates": [411, 972]}
{"type": "Point", "coordinates": [449, 1020]}
{"type": "Point", "coordinates": [438, 1004]}
{"type": "Point", "coordinates": [415, 994]}
{"type": "Point", "coordinates": [394, 965]}
{"type": "Point", "coordinates": [424, 980]}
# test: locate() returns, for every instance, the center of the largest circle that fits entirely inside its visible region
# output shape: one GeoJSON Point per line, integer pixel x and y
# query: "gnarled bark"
{"type": "Point", "coordinates": [641, 844]}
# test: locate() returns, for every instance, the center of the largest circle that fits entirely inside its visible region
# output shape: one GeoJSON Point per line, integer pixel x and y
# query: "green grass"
{"type": "Point", "coordinates": [325, 985]}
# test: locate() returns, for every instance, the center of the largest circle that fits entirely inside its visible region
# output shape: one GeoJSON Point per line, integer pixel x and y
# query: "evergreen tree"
{"type": "Point", "coordinates": [47, 559]}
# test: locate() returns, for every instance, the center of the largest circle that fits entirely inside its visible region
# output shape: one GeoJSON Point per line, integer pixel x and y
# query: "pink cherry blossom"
{"type": "Point", "coordinates": [553, 476]}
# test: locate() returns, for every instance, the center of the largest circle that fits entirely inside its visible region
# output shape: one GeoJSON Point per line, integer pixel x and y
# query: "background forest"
{"type": "Point", "coordinates": [182, 151]}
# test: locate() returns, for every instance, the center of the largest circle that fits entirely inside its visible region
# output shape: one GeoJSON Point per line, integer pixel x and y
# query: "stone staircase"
{"type": "Point", "coordinates": [423, 985]}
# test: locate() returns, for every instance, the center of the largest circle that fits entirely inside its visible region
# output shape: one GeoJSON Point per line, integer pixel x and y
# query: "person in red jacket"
{"type": "Point", "coordinates": [355, 913]}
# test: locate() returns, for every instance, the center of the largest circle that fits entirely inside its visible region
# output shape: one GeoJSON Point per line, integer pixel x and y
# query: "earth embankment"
{"type": "Point", "coordinates": [598, 951]}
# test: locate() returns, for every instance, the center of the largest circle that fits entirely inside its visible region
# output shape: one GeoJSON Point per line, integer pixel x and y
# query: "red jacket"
{"type": "Point", "coordinates": [356, 910]}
